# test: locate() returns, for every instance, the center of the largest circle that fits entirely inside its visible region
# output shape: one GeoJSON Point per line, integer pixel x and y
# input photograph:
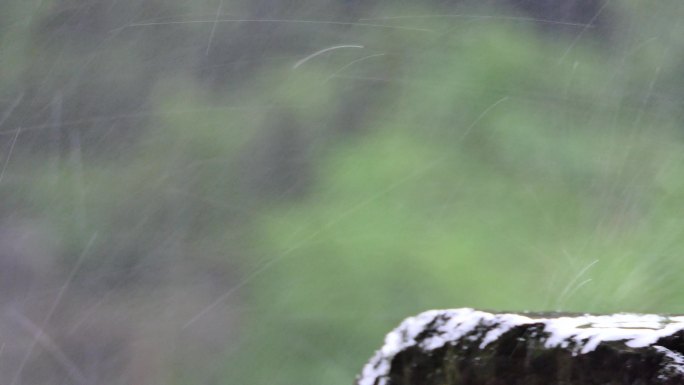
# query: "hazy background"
{"type": "Point", "coordinates": [190, 194]}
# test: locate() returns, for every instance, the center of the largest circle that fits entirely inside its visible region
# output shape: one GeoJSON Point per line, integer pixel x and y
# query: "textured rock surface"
{"type": "Point", "coordinates": [469, 347]}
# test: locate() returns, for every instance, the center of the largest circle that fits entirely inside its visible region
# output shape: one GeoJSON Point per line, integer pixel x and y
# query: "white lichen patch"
{"type": "Point", "coordinates": [580, 334]}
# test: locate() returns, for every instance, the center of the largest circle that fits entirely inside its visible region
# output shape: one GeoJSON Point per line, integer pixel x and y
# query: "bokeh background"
{"type": "Point", "coordinates": [256, 191]}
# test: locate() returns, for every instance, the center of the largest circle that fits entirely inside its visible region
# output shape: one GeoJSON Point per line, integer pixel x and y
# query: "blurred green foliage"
{"type": "Point", "coordinates": [466, 156]}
